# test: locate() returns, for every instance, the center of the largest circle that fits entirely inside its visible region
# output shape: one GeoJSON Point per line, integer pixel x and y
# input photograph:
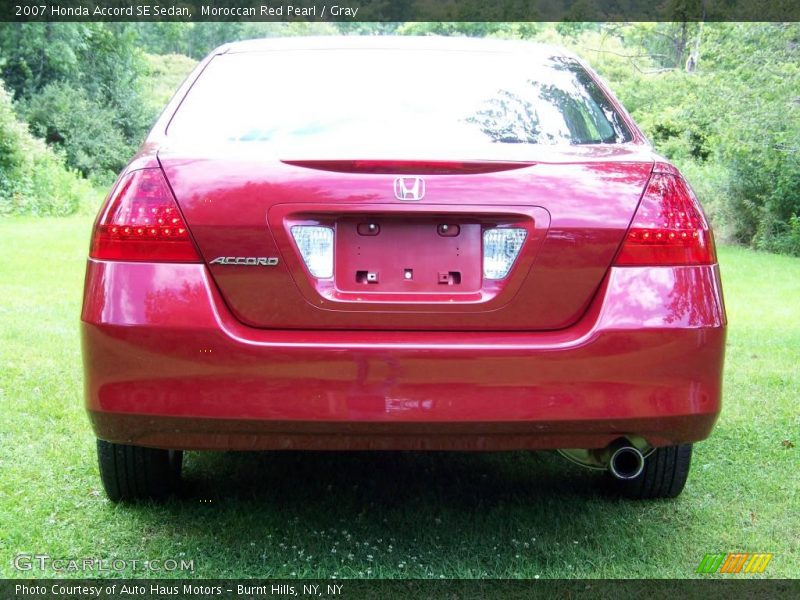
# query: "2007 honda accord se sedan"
{"type": "Point", "coordinates": [400, 244]}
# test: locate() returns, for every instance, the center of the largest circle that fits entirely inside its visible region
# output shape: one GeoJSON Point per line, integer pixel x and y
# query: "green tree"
{"type": "Point", "coordinates": [94, 67]}
{"type": "Point", "coordinates": [65, 117]}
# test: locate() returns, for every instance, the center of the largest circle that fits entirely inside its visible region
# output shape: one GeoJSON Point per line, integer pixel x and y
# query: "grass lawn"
{"type": "Point", "coordinates": [391, 514]}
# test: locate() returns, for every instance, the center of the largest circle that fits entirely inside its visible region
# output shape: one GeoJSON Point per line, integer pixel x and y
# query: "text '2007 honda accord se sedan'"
{"type": "Point", "coordinates": [400, 244]}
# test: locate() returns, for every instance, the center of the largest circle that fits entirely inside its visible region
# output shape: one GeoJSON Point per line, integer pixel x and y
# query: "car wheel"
{"type": "Point", "coordinates": [663, 476]}
{"type": "Point", "coordinates": [134, 472]}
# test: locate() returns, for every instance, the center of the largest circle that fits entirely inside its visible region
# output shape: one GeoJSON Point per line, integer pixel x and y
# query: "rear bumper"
{"type": "Point", "coordinates": [166, 365]}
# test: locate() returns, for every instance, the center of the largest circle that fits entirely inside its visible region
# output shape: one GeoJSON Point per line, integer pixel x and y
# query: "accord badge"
{"type": "Point", "coordinates": [246, 261]}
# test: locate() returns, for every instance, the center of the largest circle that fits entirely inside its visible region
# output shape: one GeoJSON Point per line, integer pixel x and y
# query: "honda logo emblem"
{"type": "Point", "coordinates": [409, 188]}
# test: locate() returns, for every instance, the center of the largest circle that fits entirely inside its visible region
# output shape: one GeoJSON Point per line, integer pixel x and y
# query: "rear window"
{"type": "Point", "coordinates": [382, 96]}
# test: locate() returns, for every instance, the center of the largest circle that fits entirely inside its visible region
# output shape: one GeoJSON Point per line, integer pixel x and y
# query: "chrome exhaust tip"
{"type": "Point", "coordinates": [626, 462]}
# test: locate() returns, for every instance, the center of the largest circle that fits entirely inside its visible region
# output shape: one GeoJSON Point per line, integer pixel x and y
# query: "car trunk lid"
{"type": "Point", "coordinates": [409, 236]}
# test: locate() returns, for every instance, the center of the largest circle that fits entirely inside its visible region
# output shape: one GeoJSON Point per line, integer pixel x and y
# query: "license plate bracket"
{"type": "Point", "coordinates": [406, 255]}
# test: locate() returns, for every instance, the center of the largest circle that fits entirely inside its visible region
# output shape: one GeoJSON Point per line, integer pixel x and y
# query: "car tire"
{"type": "Point", "coordinates": [663, 476]}
{"type": "Point", "coordinates": [134, 472]}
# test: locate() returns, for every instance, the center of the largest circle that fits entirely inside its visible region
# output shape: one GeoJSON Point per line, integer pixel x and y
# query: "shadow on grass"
{"type": "Point", "coordinates": [513, 514]}
{"type": "Point", "coordinates": [388, 479]}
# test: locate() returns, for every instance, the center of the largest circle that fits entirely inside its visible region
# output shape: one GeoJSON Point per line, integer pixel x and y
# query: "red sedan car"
{"type": "Point", "coordinates": [400, 244]}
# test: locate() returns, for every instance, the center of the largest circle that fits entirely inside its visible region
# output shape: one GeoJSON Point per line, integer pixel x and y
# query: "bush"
{"type": "Point", "coordinates": [786, 240]}
{"type": "Point", "coordinates": [67, 119]}
{"type": "Point", "coordinates": [33, 179]}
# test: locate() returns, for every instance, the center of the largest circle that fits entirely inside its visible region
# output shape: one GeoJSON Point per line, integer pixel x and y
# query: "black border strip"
{"type": "Point", "coordinates": [399, 10]}
{"type": "Point", "coordinates": [390, 589]}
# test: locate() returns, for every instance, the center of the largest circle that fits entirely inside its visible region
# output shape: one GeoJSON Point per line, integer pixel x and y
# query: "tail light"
{"type": "Point", "coordinates": [500, 249]}
{"type": "Point", "coordinates": [316, 247]}
{"type": "Point", "coordinates": [669, 227]}
{"type": "Point", "coordinates": [141, 222]}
